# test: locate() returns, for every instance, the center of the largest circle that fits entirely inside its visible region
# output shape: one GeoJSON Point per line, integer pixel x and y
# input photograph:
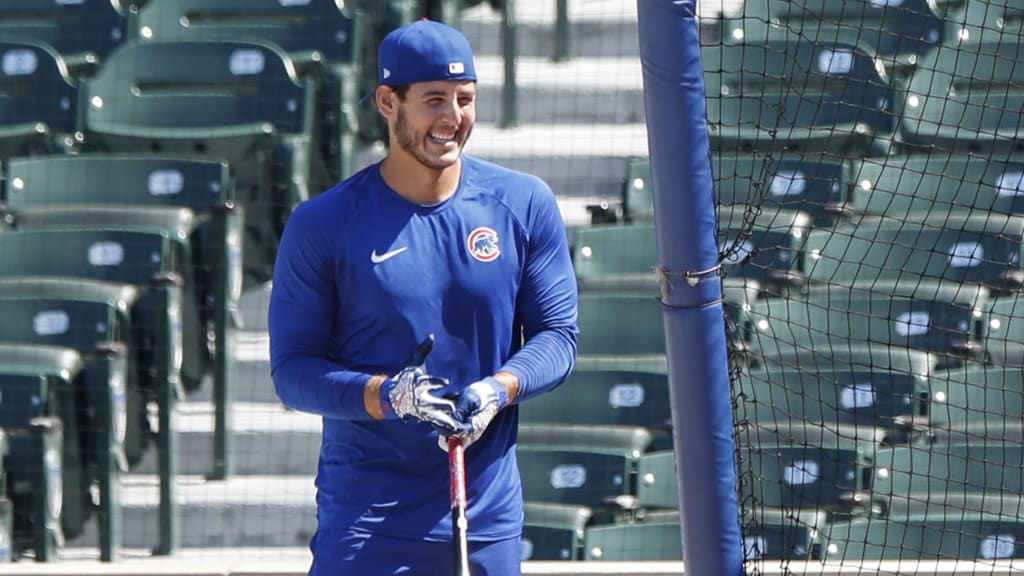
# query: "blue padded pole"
{"type": "Point", "coordinates": [691, 289]}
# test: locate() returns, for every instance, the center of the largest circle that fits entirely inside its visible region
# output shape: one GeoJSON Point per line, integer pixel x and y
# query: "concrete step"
{"type": "Point", "coordinates": [269, 439]}
{"type": "Point", "coordinates": [244, 511]}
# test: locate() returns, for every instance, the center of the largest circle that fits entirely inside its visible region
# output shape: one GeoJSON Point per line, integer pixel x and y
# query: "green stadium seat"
{"type": "Point", "coordinates": [591, 466]}
{"type": "Point", "coordinates": [83, 32]}
{"type": "Point", "coordinates": [626, 326]}
{"type": "Point", "coordinates": [937, 535]}
{"type": "Point", "coordinates": [985, 21]}
{"type": "Point", "coordinates": [232, 101]}
{"type": "Point", "coordinates": [625, 257]}
{"type": "Point", "coordinates": [971, 247]}
{"type": "Point", "coordinates": [782, 534]}
{"type": "Point", "coordinates": [990, 397]}
{"type": "Point", "coordinates": [30, 123]}
{"type": "Point", "coordinates": [908, 477]}
{"type": "Point", "coordinates": [660, 540]}
{"type": "Point", "coordinates": [319, 36]}
{"type": "Point", "coordinates": [814, 185]}
{"type": "Point", "coordinates": [92, 318]}
{"type": "Point", "coordinates": [657, 485]}
{"type": "Point", "coordinates": [797, 465]}
{"type": "Point", "coordinates": [553, 531]}
{"type": "Point", "coordinates": [598, 397]}
{"type": "Point", "coordinates": [879, 396]}
{"type": "Point", "coordinates": [906, 187]}
{"type": "Point", "coordinates": [1004, 330]}
{"type": "Point", "coordinates": [795, 94]}
{"type": "Point", "coordinates": [153, 184]}
{"type": "Point", "coordinates": [963, 99]}
{"type": "Point", "coordinates": [45, 480]}
{"type": "Point", "coordinates": [766, 246]}
{"type": "Point", "coordinates": [943, 318]}
{"type": "Point", "coordinates": [898, 33]}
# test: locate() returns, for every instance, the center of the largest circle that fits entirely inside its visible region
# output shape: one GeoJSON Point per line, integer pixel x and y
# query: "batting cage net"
{"type": "Point", "coordinates": [868, 181]}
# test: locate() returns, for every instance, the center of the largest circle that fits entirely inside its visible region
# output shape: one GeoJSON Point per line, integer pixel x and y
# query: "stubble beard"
{"type": "Point", "coordinates": [412, 143]}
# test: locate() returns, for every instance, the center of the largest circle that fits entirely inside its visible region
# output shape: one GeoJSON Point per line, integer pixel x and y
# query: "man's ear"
{"type": "Point", "coordinates": [387, 101]}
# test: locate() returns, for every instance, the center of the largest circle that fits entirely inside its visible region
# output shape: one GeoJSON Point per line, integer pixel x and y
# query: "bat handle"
{"type": "Point", "coordinates": [460, 520]}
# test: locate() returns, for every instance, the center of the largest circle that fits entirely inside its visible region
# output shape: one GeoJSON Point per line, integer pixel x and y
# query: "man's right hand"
{"type": "Point", "coordinates": [410, 394]}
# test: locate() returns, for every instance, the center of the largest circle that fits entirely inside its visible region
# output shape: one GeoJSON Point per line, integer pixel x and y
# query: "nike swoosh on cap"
{"type": "Point", "coordinates": [378, 258]}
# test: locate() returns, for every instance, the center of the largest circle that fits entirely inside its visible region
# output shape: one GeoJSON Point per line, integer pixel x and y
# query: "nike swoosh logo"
{"type": "Point", "coordinates": [378, 258]}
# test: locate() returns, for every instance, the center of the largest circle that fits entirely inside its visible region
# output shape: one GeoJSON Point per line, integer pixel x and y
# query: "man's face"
{"type": "Point", "coordinates": [435, 120]}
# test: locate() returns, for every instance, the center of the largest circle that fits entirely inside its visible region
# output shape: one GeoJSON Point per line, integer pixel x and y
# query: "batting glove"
{"type": "Point", "coordinates": [477, 405]}
{"type": "Point", "coordinates": [410, 395]}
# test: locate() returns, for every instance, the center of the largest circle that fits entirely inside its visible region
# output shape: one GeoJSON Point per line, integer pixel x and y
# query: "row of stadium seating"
{"type": "Point", "coordinates": [866, 174]}
{"type": "Point", "coordinates": [151, 153]}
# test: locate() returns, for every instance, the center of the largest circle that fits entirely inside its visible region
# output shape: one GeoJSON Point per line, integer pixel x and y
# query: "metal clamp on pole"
{"type": "Point", "coordinates": [691, 277]}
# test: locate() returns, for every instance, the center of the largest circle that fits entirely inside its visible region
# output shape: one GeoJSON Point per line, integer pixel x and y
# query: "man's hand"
{"type": "Point", "coordinates": [477, 405]}
{"type": "Point", "coordinates": [410, 394]}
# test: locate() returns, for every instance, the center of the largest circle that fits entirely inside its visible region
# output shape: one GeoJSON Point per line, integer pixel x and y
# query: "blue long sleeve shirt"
{"type": "Point", "coordinates": [361, 277]}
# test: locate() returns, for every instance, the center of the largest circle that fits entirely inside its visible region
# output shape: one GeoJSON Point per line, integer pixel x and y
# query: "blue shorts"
{"type": "Point", "coordinates": [344, 552]}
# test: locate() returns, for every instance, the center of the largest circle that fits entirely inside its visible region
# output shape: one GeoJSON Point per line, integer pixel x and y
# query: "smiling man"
{"type": "Point", "coordinates": [429, 245]}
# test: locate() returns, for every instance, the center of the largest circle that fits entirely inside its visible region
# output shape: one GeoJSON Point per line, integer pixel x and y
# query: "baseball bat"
{"type": "Point", "coordinates": [460, 521]}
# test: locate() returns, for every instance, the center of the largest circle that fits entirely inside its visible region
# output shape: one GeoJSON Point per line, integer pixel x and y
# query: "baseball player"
{"type": "Point", "coordinates": [429, 241]}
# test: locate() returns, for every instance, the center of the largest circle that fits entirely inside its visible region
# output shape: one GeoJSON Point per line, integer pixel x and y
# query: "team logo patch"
{"type": "Point", "coordinates": [482, 244]}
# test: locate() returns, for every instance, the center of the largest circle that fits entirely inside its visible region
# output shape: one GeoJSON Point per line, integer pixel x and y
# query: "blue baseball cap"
{"type": "Point", "coordinates": [424, 51]}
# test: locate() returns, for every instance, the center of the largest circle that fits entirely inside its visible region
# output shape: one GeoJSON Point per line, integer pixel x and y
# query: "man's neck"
{"type": "Point", "coordinates": [417, 183]}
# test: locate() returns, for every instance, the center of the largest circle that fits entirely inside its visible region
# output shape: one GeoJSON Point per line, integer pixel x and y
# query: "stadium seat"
{"type": "Point", "coordinates": [985, 21]}
{"type": "Point", "coordinates": [782, 534]}
{"type": "Point", "coordinates": [904, 187]}
{"type": "Point", "coordinates": [83, 32]}
{"type": "Point", "coordinates": [153, 184]}
{"type": "Point", "coordinates": [38, 100]}
{"type": "Point", "coordinates": [990, 397]}
{"type": "Point", "coordinates": [906, 477]}
{"type": "Point", "coordinates": [45, 480]}
{"type": "Point", "coordinates": [622, 325]}
{"type": "Point", "coordinates": [797, 465]}
{"type": "Point", "coordinates": [937, 535]}
{"type": "Point", "coordinates": [765, 245]}
{"type": "Point", "coordinates": [591, 466]}
{"type": "Point", "coordinates": [943, 318]}
{"type": "Point", "coordinates": [625, 257]}
{"type": "Point", "coordinates": [634, 541]}
{"type": "Point", "coordinates": [898, 33]}
{"type": "Point", "coordinates": [963, 246]}
{"type": "Point", "coordinates": [657, 484]}
{"type": "Point", "coordinates": [599, 397]}
{"type": "Point", "coordinates": [92, 318]}
{"type": "Point", "coordinates": [1004, 330]}
{"type": "Point", "coordinates": [961, 99]}
{"type": "Point", "coordinates": [878, 396]}
{"type": "Point", "coordinates": [232, 101]}
{"type": "Point", "coordinates": [553, 531]}
{"type": "Point", "coordinates": [810, 184]}
{"type": "Point", "coordinates": [319, 36]}
{"type": "Point", "coordinates": [791, 93]}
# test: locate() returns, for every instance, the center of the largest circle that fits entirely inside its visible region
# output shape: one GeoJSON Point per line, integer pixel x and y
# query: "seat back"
{"type": "Point", "coordinates": [897, 32]}
{"type": "Point", "coordinates": [963, 246]}
{"type": "Point", "coordinates": [38, 100]}
{"type": "Point", "coordinates": [904, 187]}
{"type": "Point", "coordinates": [966, 98]}
{"type": "Point", "coordinates": [319, 26]}
{"type": "Point", "coordinates": [792, 93]}
{"type": "Point", "coordinates": [81, 29]}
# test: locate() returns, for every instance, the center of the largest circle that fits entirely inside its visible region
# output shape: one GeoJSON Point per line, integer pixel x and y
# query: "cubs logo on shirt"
{"type": "Point", "coordinates": [482, 244]}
